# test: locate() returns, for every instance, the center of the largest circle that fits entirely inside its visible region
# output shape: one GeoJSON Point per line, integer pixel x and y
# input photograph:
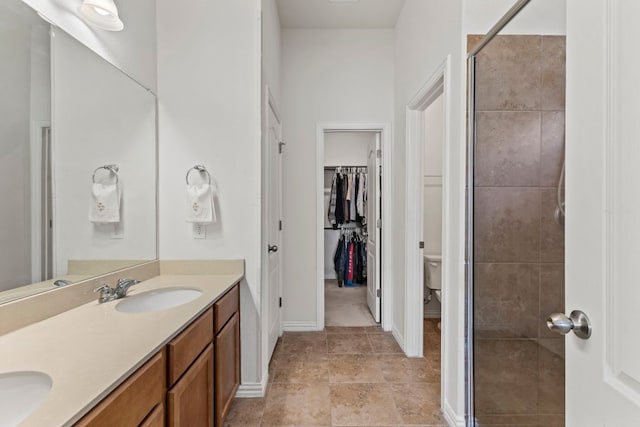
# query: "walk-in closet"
{"type": "Point", "coordinates": [350, 180]}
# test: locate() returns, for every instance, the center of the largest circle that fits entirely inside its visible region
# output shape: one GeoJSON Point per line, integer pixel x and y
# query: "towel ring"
{"type": "Point", "coordinates": [111, 168]}
{"type": "Point", "coordinates": [200, 169]}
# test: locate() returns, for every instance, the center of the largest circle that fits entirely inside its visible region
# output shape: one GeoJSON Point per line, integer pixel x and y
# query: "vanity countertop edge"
{"type": "Point", "coordinates": [101, 347]}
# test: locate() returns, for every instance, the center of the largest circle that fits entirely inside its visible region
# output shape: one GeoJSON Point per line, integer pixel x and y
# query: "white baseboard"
{"type": "Point", "coordinates": [252, 389]}
{"type": "Point", "coordinates": [450, 416]}
{"type": "Point", "coordinates": [399, 338]}
{"type": "Point", "coordinates": [299, 326]}
{"type": "Point", "coordinates": [432, 315]}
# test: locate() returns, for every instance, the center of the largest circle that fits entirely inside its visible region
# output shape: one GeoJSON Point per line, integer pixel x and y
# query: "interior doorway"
{"type": "Point", "coordinates": [352, 181]}
{"type": "Point", "coordinates": [352, 200]}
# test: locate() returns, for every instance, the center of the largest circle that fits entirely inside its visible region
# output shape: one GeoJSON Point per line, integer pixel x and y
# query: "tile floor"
{"type": "Point", "coordinates": [347, 376]}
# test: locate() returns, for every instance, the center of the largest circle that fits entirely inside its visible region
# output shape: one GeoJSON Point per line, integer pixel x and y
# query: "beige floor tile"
{"type": "Point", "coordinates": [418, 403]}
{"type": "Point", "coordinates": [363, 404]}
{"type": "Point", "coordinates": [245, 413]}
{"type": "Point", "coordinates": [348, 344]}
{"type": "Point", "coordinates": [383, 343]}
{"type": "Point", "coordinates": [354, 368]}
{"type": "Point", "coordinates": [308, 372]}
{"type": "Point", "coordinates": [297, 405]}
{"type": "Point", "coordinates": [305, 343]}
{"type": "Point", "coordinates": [397, 368]}
{"type": "Point", "coordinates": [345, 329]}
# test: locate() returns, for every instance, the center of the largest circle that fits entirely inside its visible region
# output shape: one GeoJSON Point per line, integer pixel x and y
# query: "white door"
{"type": "Point", "coordinates": [373, 231]}
{"type": "Point", "coordinates": [603, 211]}
{"type": "Point", "coordinates": [274, 222]}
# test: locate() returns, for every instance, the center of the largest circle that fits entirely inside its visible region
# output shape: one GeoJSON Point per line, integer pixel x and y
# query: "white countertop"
{"type": "Point", "coordinates": [89, 350]}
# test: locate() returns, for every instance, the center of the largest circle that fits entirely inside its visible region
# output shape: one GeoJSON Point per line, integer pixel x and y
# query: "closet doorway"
{"type": "Point", "coordinates": [350, 224]}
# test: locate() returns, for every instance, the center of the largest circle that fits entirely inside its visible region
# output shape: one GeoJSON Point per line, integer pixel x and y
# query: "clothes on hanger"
{"type": "Point", "coordinates": [350, 260]}
{"type": "Point", "coordinates": [348, 197]}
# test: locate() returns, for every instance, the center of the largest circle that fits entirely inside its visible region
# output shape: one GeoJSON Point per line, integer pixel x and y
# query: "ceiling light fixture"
{"type": "Point", "coordinates": [102, 14]}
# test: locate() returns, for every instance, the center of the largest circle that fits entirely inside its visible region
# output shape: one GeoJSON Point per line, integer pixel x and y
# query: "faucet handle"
{"type": "Point", "coordinates": [104, 287]}
{"type": "Point", "coordinates": [127, 282]}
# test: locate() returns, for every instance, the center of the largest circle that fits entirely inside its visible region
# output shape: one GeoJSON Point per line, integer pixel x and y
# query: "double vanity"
{"type": "Point", "coordinates": [166, 352]}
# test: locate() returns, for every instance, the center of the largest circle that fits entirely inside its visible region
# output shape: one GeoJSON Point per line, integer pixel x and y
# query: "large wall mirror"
{"type": "Point", "coordinates": [77, 160]}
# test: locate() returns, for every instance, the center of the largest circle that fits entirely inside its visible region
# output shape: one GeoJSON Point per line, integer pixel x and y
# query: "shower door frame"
{"type": "Point", "coordinates": [470, 420]}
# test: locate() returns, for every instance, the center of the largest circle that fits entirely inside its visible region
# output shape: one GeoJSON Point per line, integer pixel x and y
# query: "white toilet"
{"type": "Point", "coordinates": [433, 275]}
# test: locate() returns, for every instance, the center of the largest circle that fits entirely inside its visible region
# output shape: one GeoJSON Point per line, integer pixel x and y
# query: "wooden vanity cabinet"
{"type": "Point", "coordinates": [227, 352]}
{"type": "Point", "coordinates": [134, 400]}
{"type": "Point", "coordinates": [190, 383]}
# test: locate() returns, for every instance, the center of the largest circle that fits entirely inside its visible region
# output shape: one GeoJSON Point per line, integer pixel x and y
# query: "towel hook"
{"type": "Point", "coordinates": [200, 169]}
{"type": "Point", "coordinates": [111, 168]}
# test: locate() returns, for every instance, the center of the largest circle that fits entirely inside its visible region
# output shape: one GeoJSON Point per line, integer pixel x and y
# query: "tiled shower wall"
{"type": "Point", "coordinates": [518, 245]}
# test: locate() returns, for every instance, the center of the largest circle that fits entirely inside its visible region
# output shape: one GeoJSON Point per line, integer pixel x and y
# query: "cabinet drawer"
{"type": "Point", "coordinates": [226, 307]}
{"type": "Point", "coordinates": [184, 349]}
{"type": "Point", "coordinates": [133, 400]}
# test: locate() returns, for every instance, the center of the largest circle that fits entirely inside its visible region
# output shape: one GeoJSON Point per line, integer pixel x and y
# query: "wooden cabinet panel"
{"type": "Point", "coordinates": [227, 367]}
{"type": "Point", "coordinates": [133, 400]}
{"type": "Point", "coordinates": [184, 349]}
{"type": "Point", "coordinates": [226, 307]}
{"type": "Point", "coordinates": [190, 401]}
{"type": "Point", "coordinates": [155, 418]}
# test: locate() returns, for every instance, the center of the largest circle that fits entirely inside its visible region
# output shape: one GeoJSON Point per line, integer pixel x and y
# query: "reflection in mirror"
{"type": "Point", "coordinates": [66, 113]}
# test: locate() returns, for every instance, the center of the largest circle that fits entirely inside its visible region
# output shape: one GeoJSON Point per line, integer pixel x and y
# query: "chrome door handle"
{"type": "Point", "coordinates": [273, 248]}
{"type": "Point", "coordinates": [577, 321]}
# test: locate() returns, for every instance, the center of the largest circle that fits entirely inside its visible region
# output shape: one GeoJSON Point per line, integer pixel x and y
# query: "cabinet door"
{"type": "Point", "coordinates": [155, 418]}
{"type": "Point", "coordinates": [227, 349]}
{"type": "Point", "coordinates": [190, 401]}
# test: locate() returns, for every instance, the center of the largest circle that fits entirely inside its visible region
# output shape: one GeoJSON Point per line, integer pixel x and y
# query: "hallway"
{"type": "Point", "coordinates": [347, 377]}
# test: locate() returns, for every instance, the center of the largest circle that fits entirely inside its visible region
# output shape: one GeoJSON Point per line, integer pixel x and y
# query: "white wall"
{"type": "Point", "coordinates": [100, 116]}
{"type": "Point", "coordinates": [15, 111]}
{"type": "Point", "coordinates": [132, 49]}
{"type": "Point", "coordinates": [209, 112]}
{"type": "Point", "coordinates": [327, 76]}
{"type": "Point", "coordinates": [538, 17]}
{"type": "Point", "coordinates": [426, 33]}
{"type": "Point", "coordinates": [347, 148]}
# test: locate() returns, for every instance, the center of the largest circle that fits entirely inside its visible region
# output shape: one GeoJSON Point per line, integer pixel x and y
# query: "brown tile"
{"type": "Point", "coordinates": [551, 232]}
{"type": "Point", "coordinates": [398, 368]}
{"type": "Point", "coordinates": [431, 346]}
{"type": "Point", "coordinates": [504, 292]}
{"type": "Point", "coordinates": [507, 149]}
{"type": "Point", "coordinates": [508, 420]}
{"type": "Point", "coordinates": [384, 343]}
{"type": "Point", "coordinates": [418, 403]}
{"type": "Point", "coordinates": [284, 359]}
{"type": "Point", "coordinates": [551, 378]}
{"type": "Point", "coordinates": [347, 343]}
{"type": "Point", "coordinates": [551, 147]}
{"type": "Point", "coordinates": [506, 376]}
{"type": "Point", "coordinates": [354, 368]}
{"type": "Point", "coordinates": [553, 72]}
{"type": "Point", "coordinates": [377, 329]}
{"type": "Point", "coordinates": [431, 326]}
{"type": "Point", "coordinates": [345, 329]}
{"type": "Point", "coordinates": [508, 74]}
{"type": "Point", "coordinates": [551, 421]}
{"type": "Point", "coordinates": [308, 342]}
{"type": "Point", "coordinates": [297, 405]}
{"type": "Point", "coordinates": [473, 40]}
{"type": "Point", "coordinates": [245, 413]}
{"type": "Point", "coordinates": [363, 404]}
{"type": "Point", "coordinates": [309, 372]}
{"type": "Point", "coordinates": [551, 295]}
{"type": "Point", "coordinates": [507, 225]}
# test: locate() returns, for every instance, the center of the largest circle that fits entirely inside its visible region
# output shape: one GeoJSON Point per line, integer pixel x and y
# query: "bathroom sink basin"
{"type": "Point", "coordinates": [160, 299]}
{"type": "Point", "coordinates": [20, 394]}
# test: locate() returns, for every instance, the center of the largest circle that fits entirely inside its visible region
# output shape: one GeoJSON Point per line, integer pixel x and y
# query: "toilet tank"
{"type": "Point", "coordinates": [433, 271]}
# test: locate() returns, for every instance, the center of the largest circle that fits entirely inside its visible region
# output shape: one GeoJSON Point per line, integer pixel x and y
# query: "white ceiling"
{"type": "Point", "coordinates": [341, 14]}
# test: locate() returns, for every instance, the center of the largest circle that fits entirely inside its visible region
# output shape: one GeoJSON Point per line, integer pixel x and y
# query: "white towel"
{"type": "Point", "coordinates": [105, 203]}
{"type": "Point", "coordinates": [200, 204]}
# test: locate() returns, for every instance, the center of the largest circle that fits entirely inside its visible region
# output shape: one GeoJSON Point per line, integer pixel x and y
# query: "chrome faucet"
{"type": "Point", "coordinates": [107, 293]}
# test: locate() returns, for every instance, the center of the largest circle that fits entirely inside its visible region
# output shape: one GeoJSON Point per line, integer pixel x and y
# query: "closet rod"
{"type": "Point", "coordinates": [343, 167]}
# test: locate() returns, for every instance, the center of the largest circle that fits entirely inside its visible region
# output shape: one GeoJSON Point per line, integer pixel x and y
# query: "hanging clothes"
{"type": "Point", "coordinates": [350, 260]}
{"type": "Point", "coordinates": [332, 203]}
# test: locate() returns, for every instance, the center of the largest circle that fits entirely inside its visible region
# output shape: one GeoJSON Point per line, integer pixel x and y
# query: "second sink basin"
{"type": "Point", "coordinates": [160, 299]}
{"type": "Point", "coordinates": [20, 394]}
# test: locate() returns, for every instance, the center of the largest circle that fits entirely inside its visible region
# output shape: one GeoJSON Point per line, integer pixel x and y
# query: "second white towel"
{"type": "Point", "coordinates": [105, 203]}
{"type": "Point", "coordinates": [200, 207]}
